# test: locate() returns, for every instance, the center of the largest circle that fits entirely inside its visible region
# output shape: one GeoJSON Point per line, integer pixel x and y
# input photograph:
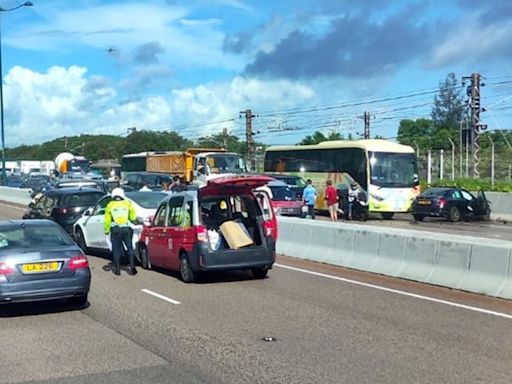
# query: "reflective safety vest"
{"type": "Point", "coordinates": [119, 213]}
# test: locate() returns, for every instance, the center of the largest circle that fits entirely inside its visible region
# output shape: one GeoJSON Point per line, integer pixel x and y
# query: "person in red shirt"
{"type": "Point", "coordinates": [331, 197]}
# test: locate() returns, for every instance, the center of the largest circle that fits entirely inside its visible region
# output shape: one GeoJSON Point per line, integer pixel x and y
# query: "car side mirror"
{"type": "Point", "coordinates": [88, 212]}
{"type": "Point", "coordinates": [31, 205]}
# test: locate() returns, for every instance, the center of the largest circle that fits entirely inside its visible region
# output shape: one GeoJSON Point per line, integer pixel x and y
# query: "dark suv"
{"type": "Point", "coordinates": [153, 180]}
{"type": "Point", "coordinates": [64, 206]}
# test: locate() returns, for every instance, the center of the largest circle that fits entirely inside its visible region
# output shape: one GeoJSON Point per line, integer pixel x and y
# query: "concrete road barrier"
{"type": "Point", "coordinates": [488, 271]}
{"type": "Point", "coordinates": [452, 262]}
{"type": "Point", "coordinates": [461, 262]}
{"type": "Point", "coordinates": [420, 256]}
{"type": "Point", "coordinates": [391, 254]}
{"type": "Point", "coordinates": [15, 195]}
{"type": "Point", "coordinates": [366, 249]}
{"type": "Point", "coordinates": [501, 205]}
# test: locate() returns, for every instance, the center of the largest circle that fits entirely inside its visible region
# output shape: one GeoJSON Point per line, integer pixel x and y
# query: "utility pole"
{"type": "Point", "coordinates": [366, 125]}
{"type": "Point", "coordinates": [249, 138]}
{"type": "Point", "coordinates": [473, 91]}
{"type": "Point", "coordinates": [225, 135]}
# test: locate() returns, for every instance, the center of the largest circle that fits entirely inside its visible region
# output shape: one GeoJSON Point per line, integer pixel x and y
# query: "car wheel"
{"type": "Point", "coordinates": [80, 239]}
{"type": "Point", "coordinates": [418, 217]}
{"type": "Point", "coordinates": [186, 272]}
{"type": "Point", "coordinates": [387, 215]}
{"type": "Point", "coordinates": [144, 257]}
{"type": "Point", "coordinates": [259, 273]}
{"type": "Point", "coordinates": [454, 214]}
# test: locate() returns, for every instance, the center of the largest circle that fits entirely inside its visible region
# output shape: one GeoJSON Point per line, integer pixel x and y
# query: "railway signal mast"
{"type": "Point", "coordinates": [473, 92]}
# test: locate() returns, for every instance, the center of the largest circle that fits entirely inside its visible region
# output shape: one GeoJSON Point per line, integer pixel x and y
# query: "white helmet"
{"type": "Point", "coordinates": [118, 193]}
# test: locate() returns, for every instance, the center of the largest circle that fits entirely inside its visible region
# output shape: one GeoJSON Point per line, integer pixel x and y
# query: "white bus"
{"type": "Point", "coordinates": [387, 171]}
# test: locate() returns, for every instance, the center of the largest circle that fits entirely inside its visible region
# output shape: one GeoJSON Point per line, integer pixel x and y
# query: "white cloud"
{"type": "Point", "coordinates": [66, 102]}
{"type": "Point", "coordinates": [221, 101]}
{"type": "Point", "coordinates": [464, 45]}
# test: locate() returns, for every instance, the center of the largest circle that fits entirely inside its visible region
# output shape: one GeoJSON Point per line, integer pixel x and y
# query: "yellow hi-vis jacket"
{"type": "Point", "coordinates": [119, 213]}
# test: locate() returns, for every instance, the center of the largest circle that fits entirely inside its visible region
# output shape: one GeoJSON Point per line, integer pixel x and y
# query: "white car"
{"type": "Point", "coordinates": [89, 229]}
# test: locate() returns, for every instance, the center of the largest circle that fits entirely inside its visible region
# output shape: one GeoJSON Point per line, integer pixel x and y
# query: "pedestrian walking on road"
{"type": "Point", "coordinates": [308, 197]}
{"type": "Point", "coordinates": [331, 197]}
{"type": "Point", "coordinates": [119, 212]}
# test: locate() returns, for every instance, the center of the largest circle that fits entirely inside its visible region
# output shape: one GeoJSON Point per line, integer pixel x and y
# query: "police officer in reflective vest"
{"type": "Point", "coordinates": [118, 215]}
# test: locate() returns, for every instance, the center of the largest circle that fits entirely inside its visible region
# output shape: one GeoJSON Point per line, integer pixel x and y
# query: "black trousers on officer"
{"type": "Point", "coordinates": [121, 238]}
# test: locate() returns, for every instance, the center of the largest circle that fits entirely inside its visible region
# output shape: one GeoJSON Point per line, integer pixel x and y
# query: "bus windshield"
{"type": "Point", "coordinates": [223, 163]}
{"type": "Point", "coordinates": [398, 170]}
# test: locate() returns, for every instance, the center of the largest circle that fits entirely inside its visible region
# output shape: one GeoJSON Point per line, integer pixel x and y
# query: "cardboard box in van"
{"type": "Point", "coordinates": [236, 234]}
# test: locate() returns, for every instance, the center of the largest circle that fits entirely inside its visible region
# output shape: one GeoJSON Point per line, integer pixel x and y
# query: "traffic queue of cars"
{"type": "Point", "coordinates": [228, 224]}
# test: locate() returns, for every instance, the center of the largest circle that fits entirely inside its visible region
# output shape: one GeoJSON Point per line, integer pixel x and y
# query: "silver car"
{"type": "Point", "coordinates": [40, 261]}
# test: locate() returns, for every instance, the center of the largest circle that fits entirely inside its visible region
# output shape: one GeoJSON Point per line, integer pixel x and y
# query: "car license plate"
{"type": "Point", "coordinates": [52, 266]}
{"type": "Point", "coordinates": [424, 202]}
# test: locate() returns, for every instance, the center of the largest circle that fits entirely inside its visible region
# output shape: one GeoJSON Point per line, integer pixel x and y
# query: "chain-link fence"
{"type": "Point", "coordinates": [448, 165]}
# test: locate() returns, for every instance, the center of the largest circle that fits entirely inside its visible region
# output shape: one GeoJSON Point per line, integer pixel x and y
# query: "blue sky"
{"type": "Point", "coordinates": [102, 66]}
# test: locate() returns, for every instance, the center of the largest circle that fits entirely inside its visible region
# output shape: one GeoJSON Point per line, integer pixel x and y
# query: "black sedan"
{"type": "Point", "coordinates": [453, 204]}
{"type": "Point", "coordinates": [39, 261]}
{"type": "Point", "coordinates": [64, 206]}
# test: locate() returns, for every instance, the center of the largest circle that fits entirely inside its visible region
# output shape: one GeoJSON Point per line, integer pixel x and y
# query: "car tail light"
{"type": "Point", "coordinates": [78, 262]}
{"type": "Point", "coordinates": [441, 202]}
{"type": "Point", "coordinates": [5, 270]}
{"type": "Point", "coordinates": [268, 228]}
{"type": "Point", "coordinates": [201, 233]}
{"type": "Point", "coordinates": [63, 211]}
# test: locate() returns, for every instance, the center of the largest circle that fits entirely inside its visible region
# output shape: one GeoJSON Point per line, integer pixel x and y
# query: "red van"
{"type": "Point", "coordinates": [224, 225]}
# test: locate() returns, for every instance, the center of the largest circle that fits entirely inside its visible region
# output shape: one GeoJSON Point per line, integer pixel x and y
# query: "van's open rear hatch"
{"type": "Point", "coordinates": [234, 185]}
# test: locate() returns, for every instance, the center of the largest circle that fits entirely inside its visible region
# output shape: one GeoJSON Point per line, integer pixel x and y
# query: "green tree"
{"type": "Point", "coordinates": [141, 141]}
{"type": "Point", "coordinates": [415, 132]}
{"type": "Point", "coordinates": [319, 137]}
{"type": "Point", "coordinates": [447, 112]}
{"type": "Point", "coordinates": [230, 142]}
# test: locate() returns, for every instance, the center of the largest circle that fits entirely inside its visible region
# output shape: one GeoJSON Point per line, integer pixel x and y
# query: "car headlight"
{"type": "Point", "coordinates": [376, 197]}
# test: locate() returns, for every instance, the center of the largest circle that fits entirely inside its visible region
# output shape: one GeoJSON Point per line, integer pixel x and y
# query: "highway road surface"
{"type": "Point", "coordinates": [306, 323]}
{"type": "Point", "coordinates": [490, 230]}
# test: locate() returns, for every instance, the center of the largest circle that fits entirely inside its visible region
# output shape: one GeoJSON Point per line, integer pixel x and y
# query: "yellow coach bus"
{"type": "Point", "coordinates": [387, 171]}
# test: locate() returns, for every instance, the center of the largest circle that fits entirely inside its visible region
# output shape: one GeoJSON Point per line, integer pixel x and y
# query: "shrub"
{"type": "Point", "coordinates": [472, 184]}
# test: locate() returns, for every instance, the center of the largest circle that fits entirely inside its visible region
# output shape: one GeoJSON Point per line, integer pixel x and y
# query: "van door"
{"type": "Point", "coordinates": [269, 217]}
{"type": "Point", "coordinates": [179, 221]}
{"type": "Point", "coordinates": [156, 242]}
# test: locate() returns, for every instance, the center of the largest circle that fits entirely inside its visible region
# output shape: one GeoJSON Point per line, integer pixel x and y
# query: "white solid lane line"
{"type": "Point", "coordinates": [398, 292]}
{"type": "Point", "coordinates": [12, 206]}
{"type": "Point", "coordinates": [162, 297]}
